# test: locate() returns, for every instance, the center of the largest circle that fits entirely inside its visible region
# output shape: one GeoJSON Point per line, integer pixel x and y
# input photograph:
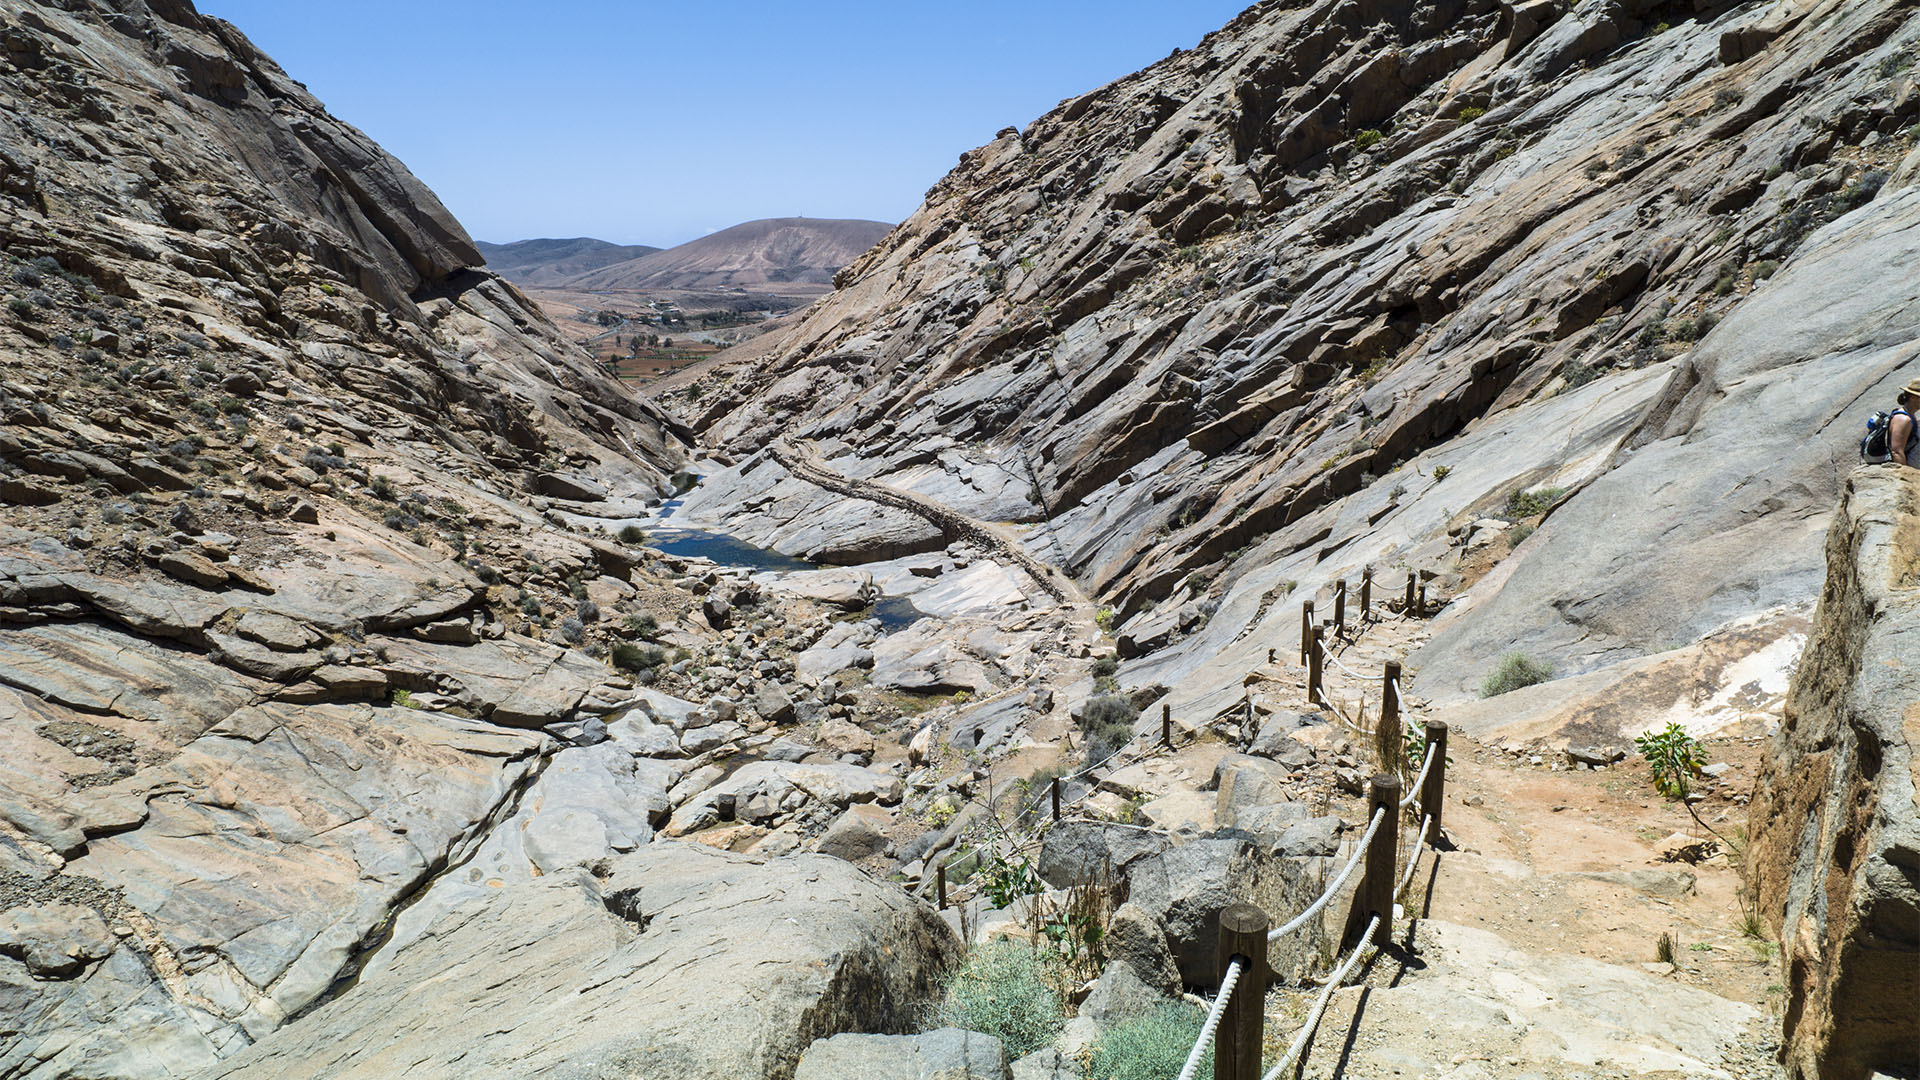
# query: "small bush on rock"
{"type": "Point", "coordinates": [1002, 990]}
{"type": "Point", "coordinates": [1107, 722]}
{"type": "Point", "coordinates": [1150, 1047]}
{"type": "Point", "coordinates": [636, 658]}
{"type": "Point", "coordinates": [1526, 504]}
{"type": "Point", "coordinates": [1516, 670]}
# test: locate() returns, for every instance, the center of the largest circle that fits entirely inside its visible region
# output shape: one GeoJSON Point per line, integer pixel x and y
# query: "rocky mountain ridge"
{"type": "Point", "coordinates": [753, 255]}
{"type": "Point", "coordinates": [550, 262]}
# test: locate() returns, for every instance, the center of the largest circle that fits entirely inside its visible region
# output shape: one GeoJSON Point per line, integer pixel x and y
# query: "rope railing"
{"type": "Point", "coordinates": [1234, 1027]}
{"type": "Point", "coordinates": [1419, 782]}
{"type": "Point", "coordinates": [1305, 1034]}
{"type": "Point", "coordinates": [1413, 856]}
{"type": "Point", "coordinates": [1219, 1009]}
{"type": "Point", "coordinates": [1359, 852]}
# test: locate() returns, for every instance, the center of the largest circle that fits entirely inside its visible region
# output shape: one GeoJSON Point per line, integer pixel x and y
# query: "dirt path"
{"type": "Point", "coordinates": [1534, 939]}
{"type": "Point", "coordinates": [803, 462]}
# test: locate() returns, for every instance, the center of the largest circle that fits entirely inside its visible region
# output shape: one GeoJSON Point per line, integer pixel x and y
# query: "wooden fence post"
{"type": "Point", "coordinates": [940, 884]}
{"type": "Point", "coordinates": [1237, 1045]}
{"type": "Point", "coordinates": [1366, 594]}
{"type": "Point", "coordinates": [1056, 798]}
{"type": "Point", "coordinates": [1408, 608]}
{"type": "Point", "coordinates": [1433, 793]}
{"type": "Point", "coordinates": [1316, 651]}
{"type": "Point", "coordinates": [1166, 725]}
{"type": "Point", "coordinates": [1375, 896]}
{"type": "Point", "coordinates": [1306, 628]}
{"type": "Point", "coordinates": [1421, 604]}
{"type": "Point", "coordinates": [1340, 609]}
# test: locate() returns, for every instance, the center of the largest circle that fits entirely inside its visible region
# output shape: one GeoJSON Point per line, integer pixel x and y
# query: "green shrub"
{"type": "Point", "coordinates": [633, 534]}
{"type": "Point", "coordinates": [1441, 472]}
{"type": "Point", "coordinates": [1674, 756]}
{"type": "Point", "coordinates": [1367, 138]}
{"type": "Point", "coordinates": [644, 624]}
{"type": "Point", "coordinates": [1518, 535]}
{"type": "Point", "coordinates": [1105, 667]}
{"type": "Point", "coordinates": [1471, 113]}
{"type": "Point", "coordinates": [1107, 721]}
{"type": "Point", "coordinates": [1516, 670]}
{"type": "Point", "coordinates": [629, 657]}
{"type": "Point", "coordinates": [1002, 991]}
{"type": "Point", "coordinates": [1150, 1047]}
{"type": "Point", "coordinates": [1765, 269]}
{"type": "Point", "coordinates": [1522, 503]}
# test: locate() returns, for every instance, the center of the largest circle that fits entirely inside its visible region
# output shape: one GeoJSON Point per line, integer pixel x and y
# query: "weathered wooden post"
{"type": "Point", "coordinates": [1420, 605]}
{"type": "Point", "coordinates": [1366, 594]}
{"type": "Point", "coordinates": [1340, 609]}
{"type": "Point", "coordinates": [1166, 725]}
{"type": "Point", "coordinates": [1382, 859]}
{"type": "Point", "coordinates": [1316, 653]}
{"type": "Point", "coordinates": [1408, 608]}
{"type": "Point", "coordinates": [1306, 628]}
{"type": "Point", "coordinates": [940, 884]}
{"type": "Point", "coordinates": [1056, 798]}
{"type": "Point", "coordinates": [1237, 1044]}
{"type": "Point", "coordinates": [1433, 793]}
{"type": "Point", "coordinates": [1390, 695]}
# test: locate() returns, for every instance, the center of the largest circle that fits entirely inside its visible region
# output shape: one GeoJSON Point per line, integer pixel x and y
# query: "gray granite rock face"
{"type": "Point", "coordinates": [680, 961]}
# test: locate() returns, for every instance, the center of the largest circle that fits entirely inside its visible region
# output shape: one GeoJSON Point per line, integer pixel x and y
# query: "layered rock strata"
{"type": "Point", "coordinates": [1835, 858]}
{"type": "Point", "coordinates": [1345, 279]}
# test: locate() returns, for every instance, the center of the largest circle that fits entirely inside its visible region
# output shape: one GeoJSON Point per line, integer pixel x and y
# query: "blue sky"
{"type": "Point", "coordinates": [656, 123]}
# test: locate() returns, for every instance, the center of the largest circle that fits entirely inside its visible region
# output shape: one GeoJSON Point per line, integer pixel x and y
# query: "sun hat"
{"type": "Point", "coordinates": [1912, 388]}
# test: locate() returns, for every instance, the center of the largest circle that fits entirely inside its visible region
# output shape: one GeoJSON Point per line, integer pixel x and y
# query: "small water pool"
{"type": "Point", "coordinates": [724, 550]}
{"type": "Point", "coordinates": [896, 613]}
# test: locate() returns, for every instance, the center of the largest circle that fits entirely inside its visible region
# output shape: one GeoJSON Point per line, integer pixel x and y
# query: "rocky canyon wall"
{"type": "Point", "coordinates": [1835, 856]}
{"type": "Point", "coordinates": [1331, 287]}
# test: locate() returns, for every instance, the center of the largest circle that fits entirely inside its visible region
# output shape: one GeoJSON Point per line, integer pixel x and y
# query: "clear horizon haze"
{"type": "Point", "coordinates": [645, 123]}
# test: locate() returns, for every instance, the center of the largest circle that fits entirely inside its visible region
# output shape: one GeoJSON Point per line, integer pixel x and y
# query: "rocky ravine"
{"type": "Point", "coordinates": [1572, 308]}
{"type": "Point", "coordinates": [310, 578]}
{"type": "Point", "coordinates": [1326, 290]}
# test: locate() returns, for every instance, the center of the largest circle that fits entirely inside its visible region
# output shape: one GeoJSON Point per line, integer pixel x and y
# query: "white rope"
{"type": "Point", "coordinates": [1413, 855]}
{"type": "Point", "coordinates": [1305, 1036]}
{"type": "Point", "coordinates": [1213, 1020]}
{"type": "Point", "coordinates": [1359, 852]}
{"type": "Point", "coordinates": [1420, 781]}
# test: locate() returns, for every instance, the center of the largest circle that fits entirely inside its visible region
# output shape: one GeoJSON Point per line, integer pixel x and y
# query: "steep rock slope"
{"type": "Point", "coordinates": [276, 456]}
{"type": "Point", "coordinates": [1836, 821]}
{"type": "Point", "coordinates": [755, 254]}
{"type": "Point", "coordinates": [1344, 278]}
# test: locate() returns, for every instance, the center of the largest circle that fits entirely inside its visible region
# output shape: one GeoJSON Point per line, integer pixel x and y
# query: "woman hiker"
{"type": "Point", "coordinates": [1900, 430]}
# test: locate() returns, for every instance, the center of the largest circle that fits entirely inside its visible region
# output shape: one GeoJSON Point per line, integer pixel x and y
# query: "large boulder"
{"type": "Point", "coordinates": [663, 967]}
{"type": "Point", "coordinates": [1185, 889]}
{"type": "Point", "coordinates": [1077, 852]}
{"type": "Point", "coordinates": [1835, 856]}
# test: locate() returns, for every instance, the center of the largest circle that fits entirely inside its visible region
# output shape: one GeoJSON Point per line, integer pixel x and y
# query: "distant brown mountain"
{"type": "Point", "coordinates": [549, 262]}
{"type": "Point", "coordinates": [756, 255]}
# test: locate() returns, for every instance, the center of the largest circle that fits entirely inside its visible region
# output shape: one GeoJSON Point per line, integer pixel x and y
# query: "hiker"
{"type": "Point", "coordinates": [1894, 436]}
{"type": "Point", "coordinates": [1900, 431]}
